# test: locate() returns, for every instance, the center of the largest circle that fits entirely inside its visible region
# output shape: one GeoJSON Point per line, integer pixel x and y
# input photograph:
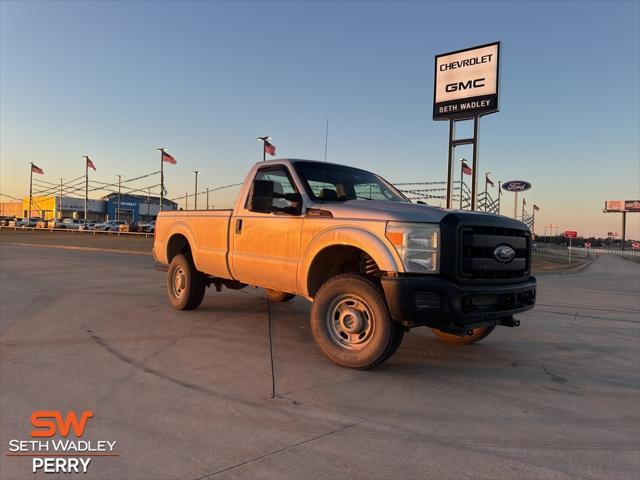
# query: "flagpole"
{"type": "Point", "coordinates": [533, 221]}
{"type": "Point", "coordinates": [59, 216]}
{"type": "Point", "coordinates": [264, 143]}
{"type": "Point", "coordinates": [161, 178]}
{"type": "Point", "coordinates": [86, 186]}
{"type": "Point", "coordinates": [523, 201]}
{"type": "Point", "coordinates": [486, 179]}
{"type": "Point", "coordinates": [461, 182]}
{"type": "Point", "coordinates": [30, 194]}
{"type": "Point", "coordinates": [499, 194]}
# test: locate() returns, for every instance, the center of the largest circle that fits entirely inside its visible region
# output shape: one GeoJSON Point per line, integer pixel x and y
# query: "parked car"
{"type": "Point", "coordinates": [110, 225]}
{"type": "Point", "coordinates": [71, 223]}
{"type": "Point", "coordinates": [372, 267]}
{"type": "Point", "coordinates": [4, 220]}
{"type": "Point", "coordinates": [128, 227]}
{"type": "Point", "coordinates": [87, 226]}
{"type": "Point", "coordinates": [148, 227]}
{"type": "Point", "coordinates": [28, 222]}
{"type": "Point", "coordinates": [55, 223]}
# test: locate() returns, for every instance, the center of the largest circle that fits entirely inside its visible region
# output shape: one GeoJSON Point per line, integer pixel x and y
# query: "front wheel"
{"type": "Point", "coordinates": [351, 324]}
{"type": "Point", "coordinates": [477, 335]}
{"type": "Point", "coordinates": [185, 284]}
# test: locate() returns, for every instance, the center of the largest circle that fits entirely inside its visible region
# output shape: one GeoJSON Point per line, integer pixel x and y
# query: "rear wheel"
{"type": "Point", "coordinates": [477, 335]}
{"type": "Point", "coordinates": [277, 296]}
{"type": "Point", "coordinates": [185, 284]}
{"type": "Point", "coordinates": [351, 324]}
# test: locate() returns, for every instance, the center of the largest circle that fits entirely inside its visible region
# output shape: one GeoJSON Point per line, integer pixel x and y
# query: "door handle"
{"type": "Point", "coordinates": [238, 225]}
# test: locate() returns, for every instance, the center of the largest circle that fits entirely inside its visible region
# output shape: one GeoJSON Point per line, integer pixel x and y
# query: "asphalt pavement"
{"type": "Point", "coordinates": [188, 394]}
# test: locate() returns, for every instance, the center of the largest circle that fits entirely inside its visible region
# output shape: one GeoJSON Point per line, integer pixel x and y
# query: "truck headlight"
{"type": "Point", "coordinates": [418, 245]}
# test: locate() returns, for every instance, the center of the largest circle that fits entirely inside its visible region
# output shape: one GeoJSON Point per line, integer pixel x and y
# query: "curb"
{"type": "Point", "coordinates": [81, 249]}
{"type": "Point", "coordinates": [567, 272]}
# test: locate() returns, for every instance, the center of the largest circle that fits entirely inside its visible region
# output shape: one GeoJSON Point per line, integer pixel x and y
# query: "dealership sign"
{"type": "Point", "coordinates": [516, 186]}
{"type": "Point", "coordinates": [622, 206]}
{"type": "Point", "coordinates": [466, 82]}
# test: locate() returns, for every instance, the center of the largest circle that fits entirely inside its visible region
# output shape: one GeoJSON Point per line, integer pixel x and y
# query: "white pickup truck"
{"type": "Point", "coordinates": [373, 263]}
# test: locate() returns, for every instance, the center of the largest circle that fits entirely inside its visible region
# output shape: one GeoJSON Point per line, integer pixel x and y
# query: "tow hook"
{"type": "Point", "coordinates": [509, 322]}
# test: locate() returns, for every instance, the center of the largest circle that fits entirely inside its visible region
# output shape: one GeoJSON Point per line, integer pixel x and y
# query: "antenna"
{"type": "Point", "coordinates": [326, 141]}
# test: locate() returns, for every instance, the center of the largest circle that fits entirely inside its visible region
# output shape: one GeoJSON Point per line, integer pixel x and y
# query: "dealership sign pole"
{"type": "Point", "coordinates": [516, 186]}
{"type": "Point", "coordinates": [466, 88]}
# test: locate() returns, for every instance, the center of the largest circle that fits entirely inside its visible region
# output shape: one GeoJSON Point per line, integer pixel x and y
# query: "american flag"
{"type": "Point", "coordinates": [168, 158]}
{"type": "Point", "coordinates": [536, 207]}
{"type": "Point", "coordinates": [489, 182]}
{"type": "Point", "coordinates": [269, 148]}
{"type": "Point", "coordinates": [90, 164]}
{"type": "Point", "coordinates": [36, 169]}
{"type": "Point", "coordinates": [466, 169]}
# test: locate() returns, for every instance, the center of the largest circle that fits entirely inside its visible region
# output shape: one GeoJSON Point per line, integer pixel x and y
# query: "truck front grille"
{"type": "Point", "coordinates": [478, 244]}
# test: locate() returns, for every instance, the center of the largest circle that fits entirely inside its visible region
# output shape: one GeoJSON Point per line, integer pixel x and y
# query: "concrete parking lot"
{"type": "Point", "coordinates": [188, 394]}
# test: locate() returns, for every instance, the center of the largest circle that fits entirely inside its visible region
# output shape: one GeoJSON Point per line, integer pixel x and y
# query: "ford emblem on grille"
{"type": "Point", "coordinates": [504, 253]}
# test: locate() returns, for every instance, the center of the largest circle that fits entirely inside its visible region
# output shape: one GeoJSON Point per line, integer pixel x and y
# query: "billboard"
{"type": "Point", "coordinates": [622, 206]}
{"type": "Point", "coordinates": [466, 82]}
{"type": "Point", "coordinates": [570, 234]}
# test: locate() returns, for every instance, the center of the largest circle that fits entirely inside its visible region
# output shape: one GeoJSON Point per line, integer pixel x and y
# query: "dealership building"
{"type": "Point", "coordinates": [133, 208]}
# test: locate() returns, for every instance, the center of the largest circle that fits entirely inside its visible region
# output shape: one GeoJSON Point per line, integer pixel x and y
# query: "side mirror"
{"type": "Point", "coordinates": [293, 197]}
{"type": "Point", "coordinates": [261, 196]}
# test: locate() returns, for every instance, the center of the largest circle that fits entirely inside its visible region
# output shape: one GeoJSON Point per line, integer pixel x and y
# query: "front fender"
{"type": "Point", "coordinates": [378, 249]}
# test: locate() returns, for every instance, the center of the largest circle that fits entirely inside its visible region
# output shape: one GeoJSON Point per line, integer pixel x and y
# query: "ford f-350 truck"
{"type": "Point", "coordinates": [372, 263]}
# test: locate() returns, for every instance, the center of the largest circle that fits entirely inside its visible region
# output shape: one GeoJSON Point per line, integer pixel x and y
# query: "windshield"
{"type": "Point", "coordinates": [337, 183]}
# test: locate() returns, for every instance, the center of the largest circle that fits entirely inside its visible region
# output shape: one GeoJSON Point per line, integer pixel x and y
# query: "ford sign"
{"type": "Point", "coordinates": [516, 186]}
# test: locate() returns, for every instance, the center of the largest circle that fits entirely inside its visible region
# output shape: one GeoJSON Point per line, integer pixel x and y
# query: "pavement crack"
{"type": "Point", "coordinates": [266, 455]}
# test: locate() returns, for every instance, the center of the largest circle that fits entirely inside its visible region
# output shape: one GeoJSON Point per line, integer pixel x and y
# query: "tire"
{"type": "Point", "coordinates": [277, 296]}
{"type": "Point", "coordinates": [351, 324]}
{"type": "Point", "coordinates": [185, 285]}
{"type": "Point", "coordinates": [478, 334]}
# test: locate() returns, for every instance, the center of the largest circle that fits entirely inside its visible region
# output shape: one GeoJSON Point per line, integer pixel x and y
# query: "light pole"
{"type": "Point", "coordinates": [195, 193]}
{"type": "Point", "coordinates": [207, 198]}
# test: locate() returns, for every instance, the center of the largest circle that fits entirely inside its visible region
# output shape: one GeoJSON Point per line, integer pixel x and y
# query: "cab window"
{"type": "Point", "coordinates": [272, 191]}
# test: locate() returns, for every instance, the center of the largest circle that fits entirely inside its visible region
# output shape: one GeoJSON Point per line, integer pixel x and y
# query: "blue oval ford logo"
{"type": "Point", "coordinates": [504, 253]}
{"type": "Point", "coordinates": [516, 186]}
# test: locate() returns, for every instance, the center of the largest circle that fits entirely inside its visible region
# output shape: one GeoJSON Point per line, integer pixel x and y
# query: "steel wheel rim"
{"type": "Point", "coordinates": [350, 322]}
{"type": "Point", "coordinates": [179, 282]}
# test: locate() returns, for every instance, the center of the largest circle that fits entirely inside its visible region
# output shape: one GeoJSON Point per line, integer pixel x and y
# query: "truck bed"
{"type": "Point", "coordinates": [206, 229]}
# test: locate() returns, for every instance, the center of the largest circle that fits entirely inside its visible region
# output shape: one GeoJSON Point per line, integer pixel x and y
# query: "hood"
{"type": "Point", "coordinates": [397, 211]}
{"type": "Point", "coordinates": [382, 210]}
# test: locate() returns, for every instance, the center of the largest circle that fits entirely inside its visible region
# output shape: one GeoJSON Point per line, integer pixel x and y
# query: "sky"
{"type": "Point", "coordinates": [115, 80]}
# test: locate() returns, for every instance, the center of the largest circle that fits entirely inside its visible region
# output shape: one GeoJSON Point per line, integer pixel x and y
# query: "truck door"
{"type": "Point", "coordinates": [266, 231]}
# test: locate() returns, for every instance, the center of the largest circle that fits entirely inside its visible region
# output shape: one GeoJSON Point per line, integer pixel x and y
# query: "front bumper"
{"type": "Point", "coordinates": [440, 303]}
